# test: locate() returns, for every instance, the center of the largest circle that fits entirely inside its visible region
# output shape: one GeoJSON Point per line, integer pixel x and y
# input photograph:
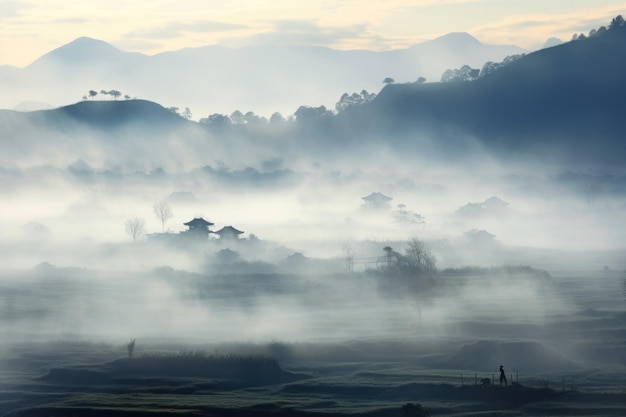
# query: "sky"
{"type": "Point", "coordinates": [30, 28]}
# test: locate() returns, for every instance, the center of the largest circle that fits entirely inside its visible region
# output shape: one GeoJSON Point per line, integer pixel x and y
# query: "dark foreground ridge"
{"type": "Point", "coordinates": [239, 370]}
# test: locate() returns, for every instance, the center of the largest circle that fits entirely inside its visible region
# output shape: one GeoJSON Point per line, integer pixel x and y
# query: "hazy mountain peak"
{"type": "Point", "coordinates": [552, 42]}
{"type": "Point", "coordinates": [458, 39]}
{"type": "Point", "coordinates": [81, 50]}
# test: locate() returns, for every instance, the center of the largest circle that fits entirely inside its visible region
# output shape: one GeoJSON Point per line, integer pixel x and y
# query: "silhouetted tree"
{"type": "Point", "coordinates": [465, 73]}
{"type": "Point", "coordinates": [92, 93]}
{"type": "Point", "coordinates": [135, 227]}
{"type": "Point", "coordinates": [389, 80]}
{"type": "Point", "coordinates": [216, 120]}
{"type": "Point", "coordinates": [277, 118]}
{"type": "Point", "coordinates": [489, 67]}
{"type": "Point", "coordinates": [115, 94]}
{"type": "Point", "coordinates": [307, 113]}
{"type": "Point", "coordinates": [418, 259]}
{"type": "Point", "coordinates": [174, 110]}
{"type": "Point", "coordinates": [406, 216]}
{"type": "Point", "coordinates": [187, 113]}
{"type": "Point", "coordinates": [252, 119]}
{"type": "Point", "coordinates": [355, 99]}
{"type": "Point", "coordinates": [237, 117]}
{"type": "Point", "coordinates": [163, 211]}
{"type": "Point", "coordinates": [421, 80]}
{"type": "Point", "coordinates": [617, 22]}
{"type": "Point", "coordinates": [390, 259]}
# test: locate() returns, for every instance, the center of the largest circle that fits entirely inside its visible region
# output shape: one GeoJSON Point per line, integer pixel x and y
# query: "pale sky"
{"type": "Point", "coordinates": [30, 28]}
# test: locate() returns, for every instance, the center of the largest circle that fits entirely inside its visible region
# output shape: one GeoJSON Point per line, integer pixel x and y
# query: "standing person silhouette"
{"type": "Point", "coordinates": [503, 381]}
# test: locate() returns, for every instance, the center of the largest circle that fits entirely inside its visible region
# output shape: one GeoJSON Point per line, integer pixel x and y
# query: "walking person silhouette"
{"type": "Point", "coordinates": [503, 381]}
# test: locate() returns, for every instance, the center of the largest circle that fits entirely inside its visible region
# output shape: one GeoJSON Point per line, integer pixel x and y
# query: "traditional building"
{"type": "Point", "coordinates": [228, 232]}
{"type": "Point", "coordinates": [376, 201]}
{"type": "Point", "coordinates": [198, 228]}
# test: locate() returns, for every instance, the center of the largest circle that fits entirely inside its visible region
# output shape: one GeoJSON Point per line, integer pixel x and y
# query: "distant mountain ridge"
{"type": "Point", "coordinates": [83, 50]}
{"type": "Point", "coordinates": [215, 79]}
{"type": "Point", "coordinates": [566, 101]}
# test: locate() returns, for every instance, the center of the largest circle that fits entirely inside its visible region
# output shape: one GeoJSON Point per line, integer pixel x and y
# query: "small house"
{"type": "Point", "coordinates": [376, 201]}
{"type": "Point", "coordinates": [228, 233]}
{"type": "Point", "coordinates": [198, 228]}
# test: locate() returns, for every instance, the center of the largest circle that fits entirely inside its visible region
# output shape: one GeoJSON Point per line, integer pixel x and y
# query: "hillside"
{"type": "Point", "coordinates": [124, 132]}
{"type": "Point", "coordinates": [568, 99]}
{"type": "Point", "coordinates": [99, 115]}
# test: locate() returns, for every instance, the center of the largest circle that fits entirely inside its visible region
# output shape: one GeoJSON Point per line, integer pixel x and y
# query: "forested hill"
{"type": "Point", "coordinates": [570, 97]}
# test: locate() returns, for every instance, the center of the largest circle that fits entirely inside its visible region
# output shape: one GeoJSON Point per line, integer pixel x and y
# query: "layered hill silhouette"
{"type": "Point", "coordinates": [93, 117]}
{"type": "Point", "coordinates": [568, 100]}
{"type": "Point", "coordinates": [211, 79]}
{"type": "Point", "coordinates": [131, 133]}
{"type": "Point", "coordinates": [561, 104]}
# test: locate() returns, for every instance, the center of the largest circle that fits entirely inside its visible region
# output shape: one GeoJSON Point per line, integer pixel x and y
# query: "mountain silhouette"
{"type": "Point", "coordinates": [569, 99]}
{"type": "Point", "coordinates": [83, 51]}
{"type": "Point", "coordinates": [216, 79]}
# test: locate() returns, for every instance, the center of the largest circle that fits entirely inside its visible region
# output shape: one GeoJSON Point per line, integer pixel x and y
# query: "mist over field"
{"type": "Point", "coordinates": [301, 213]}
{"type": "Point", "coordinates": [433, 227]}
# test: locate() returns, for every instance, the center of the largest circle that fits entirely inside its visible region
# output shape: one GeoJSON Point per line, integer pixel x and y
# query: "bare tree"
{"type": "Point", "coordinates": [163, 211]}
{"type": "Point", "coordinates": [135, 227]}
{"type": "Point", "coordinates": [419, 258]}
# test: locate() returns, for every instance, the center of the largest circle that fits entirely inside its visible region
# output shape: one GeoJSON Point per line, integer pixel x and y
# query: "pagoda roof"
{"type": "Point", "coordinates": [198, 221]}
{"type": "Point", "coordinates": [377, 197]}
{"type": "Point", "coordinates": [480, 234]}
{"type": "Point", "coordinates": [228, 229]}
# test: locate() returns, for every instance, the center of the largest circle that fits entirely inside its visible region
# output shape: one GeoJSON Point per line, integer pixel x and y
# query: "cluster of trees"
{"type": "Point", "coordinates": [616, 23]}
{"type": "Point", "coordinates": [302, 114]}
{"type": "Point", "coordinates": [467, 73]}
{"type": "Point", "coordinates": [491, 67]}
{"type": "Point", "coordinates": [355, 99]}
{"type": "Point", "coordinates": [416, 262]}
{"type": "Point", "coordinates": [405, 216]}
{"type": "Point", "coordinates": [218, 120]}
{"type": "Point", "coordinates": [113, 93]}
{"type": "Point", "coordinates": [185, 113]}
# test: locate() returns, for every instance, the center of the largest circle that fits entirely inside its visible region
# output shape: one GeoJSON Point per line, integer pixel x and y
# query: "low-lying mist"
{"type": "Point", "coordinates": [318, 230]}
